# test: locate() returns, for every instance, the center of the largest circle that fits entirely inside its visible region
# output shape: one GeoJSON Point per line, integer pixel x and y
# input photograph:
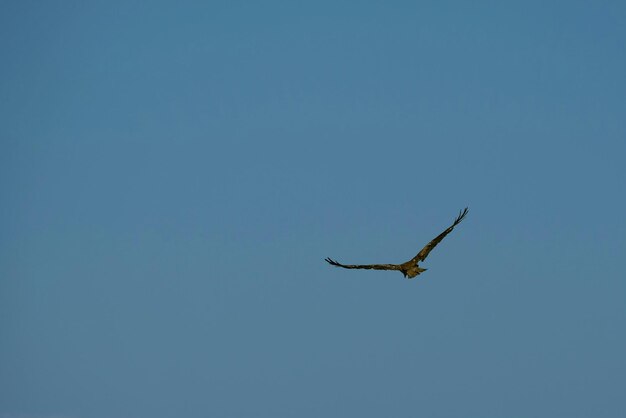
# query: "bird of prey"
{"type": "Point", "coordinates": [410, 269]}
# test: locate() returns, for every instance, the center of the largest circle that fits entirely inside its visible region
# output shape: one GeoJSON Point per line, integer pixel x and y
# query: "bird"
{"type": "Point", "coordinates": [410, 269]}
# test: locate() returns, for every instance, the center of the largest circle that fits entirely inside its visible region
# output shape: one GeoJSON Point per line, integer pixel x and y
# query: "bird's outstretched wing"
{"type": "Point", "coordinates": [364, 266]}
{"type": "Point", "coordinates": [421, 256]}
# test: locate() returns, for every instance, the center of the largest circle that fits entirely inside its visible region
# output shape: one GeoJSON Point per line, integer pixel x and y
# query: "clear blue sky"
{"type": "Point", "coordinates": [172, 175]}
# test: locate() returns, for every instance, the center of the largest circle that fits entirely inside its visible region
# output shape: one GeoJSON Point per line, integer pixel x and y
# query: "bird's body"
{"type": "Point", "coordinates": [410, 269]}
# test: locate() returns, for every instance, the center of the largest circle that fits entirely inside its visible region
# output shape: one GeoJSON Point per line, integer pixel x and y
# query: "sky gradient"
{"type": "Point", "coordinates": [173, 174]}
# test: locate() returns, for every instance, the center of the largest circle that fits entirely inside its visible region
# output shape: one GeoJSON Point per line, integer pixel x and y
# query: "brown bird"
{"type": "Point", "coordinates": [410, 269]}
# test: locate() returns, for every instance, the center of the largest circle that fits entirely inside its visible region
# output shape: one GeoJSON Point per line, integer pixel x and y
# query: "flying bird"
{"type": "Point", "coordinates": [410, 269]}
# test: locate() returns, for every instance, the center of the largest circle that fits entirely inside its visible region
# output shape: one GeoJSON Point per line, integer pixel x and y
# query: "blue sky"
{"type": "Point", "coordinates": [174, 173]}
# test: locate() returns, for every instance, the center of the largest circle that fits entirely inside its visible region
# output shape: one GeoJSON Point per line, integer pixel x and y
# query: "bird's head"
{"type": "Point", "coordinates": [413, 272]}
